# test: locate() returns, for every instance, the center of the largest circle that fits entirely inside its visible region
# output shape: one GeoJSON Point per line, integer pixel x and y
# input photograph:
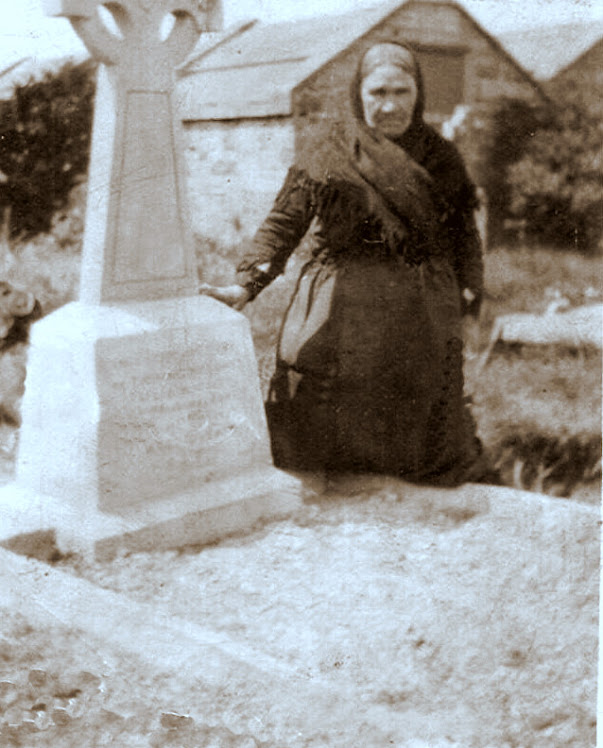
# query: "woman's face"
{"type": "Point", "coordinates": [389, 96]}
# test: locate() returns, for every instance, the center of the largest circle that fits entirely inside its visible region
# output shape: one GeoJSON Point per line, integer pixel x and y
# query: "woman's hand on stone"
{"type": "Point", "coordinates": [235, 296]}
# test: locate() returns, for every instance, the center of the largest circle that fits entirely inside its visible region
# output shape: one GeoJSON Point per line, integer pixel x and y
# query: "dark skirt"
{"type": "Point", "coordinates": [369, 373]}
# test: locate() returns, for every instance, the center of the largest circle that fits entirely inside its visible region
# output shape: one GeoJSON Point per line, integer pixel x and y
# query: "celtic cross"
{"type": "Point", "coordinates": [137, 240]}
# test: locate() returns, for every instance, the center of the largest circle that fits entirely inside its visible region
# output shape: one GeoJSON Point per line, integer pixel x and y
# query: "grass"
{"type": "Point", "coordinates": [539, 409]}
{"type": "Point", "coordinates": [520, 398]}
{"type": "Point", "coordinates": [523, 280]}
{"type": "Point", "coordinates": [536, 407]}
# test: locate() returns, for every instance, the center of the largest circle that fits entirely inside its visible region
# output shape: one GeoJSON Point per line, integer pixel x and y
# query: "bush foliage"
{"type": "Point", "coordinates": [557, 184]}
{"type": "Point", "coordinates": [45, 134]}
{"type": "Point", "coordinates": [541, 166]}
{"type": "Point", "coordinates": [491, 138]}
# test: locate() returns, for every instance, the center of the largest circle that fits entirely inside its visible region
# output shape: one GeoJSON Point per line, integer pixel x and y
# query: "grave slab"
{"type": "Point", "coordinates": [38, 525]}
{"type": "Point", "coordinates": [206, 659]}
{"type": "Point", "coordinates": [398, 617]}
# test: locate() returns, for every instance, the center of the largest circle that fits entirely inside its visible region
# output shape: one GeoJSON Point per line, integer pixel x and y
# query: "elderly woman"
{"type": "Point", "coordinates": [369, 361]}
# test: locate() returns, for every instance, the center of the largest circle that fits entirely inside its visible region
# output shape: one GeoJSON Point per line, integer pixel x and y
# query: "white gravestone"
{"type": "Point", "coordinates": [142, 421]}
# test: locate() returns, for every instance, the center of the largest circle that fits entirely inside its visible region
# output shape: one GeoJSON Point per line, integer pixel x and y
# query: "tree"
{"type": "Point", "coordinates": [557, 185]}
{"type": "Point", "coordinates": [44, 145]}
{"type": "Point", "coordinates": [492, 138]}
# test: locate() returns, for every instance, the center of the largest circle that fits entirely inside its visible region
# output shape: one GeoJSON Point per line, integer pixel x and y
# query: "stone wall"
{"type": "Point", "coordinates": [234, 170]}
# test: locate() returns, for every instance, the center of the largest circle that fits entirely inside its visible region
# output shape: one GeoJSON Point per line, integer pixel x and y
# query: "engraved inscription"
{"type": "Point", "coordinates": [171, 423]}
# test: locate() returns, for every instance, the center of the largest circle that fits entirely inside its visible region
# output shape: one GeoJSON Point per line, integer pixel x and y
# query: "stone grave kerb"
{"type": "Point", "coordinates": [137, 238]}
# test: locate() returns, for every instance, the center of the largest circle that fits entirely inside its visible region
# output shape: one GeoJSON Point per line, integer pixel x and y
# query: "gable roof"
{"type": "Point", "coordinates": [592, 56]}
{"type": "Point", "coordinates": [546, 51]}
{"type": "Point", "coordinates": [253, 73]}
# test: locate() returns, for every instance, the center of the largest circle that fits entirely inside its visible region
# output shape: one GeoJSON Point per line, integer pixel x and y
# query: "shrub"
{"type": "Point", "coordinates": [44, 145]}
{"type": "Point", "coordinates": [557, 185]}
{"type": "Point", "coordinates": [491, 138]}
{"type": "Point", "coordinates": [540, 165]}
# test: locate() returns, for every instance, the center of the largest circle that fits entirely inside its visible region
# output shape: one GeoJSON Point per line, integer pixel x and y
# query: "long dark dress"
{"type": "Point", "coordinates": [369, 363]}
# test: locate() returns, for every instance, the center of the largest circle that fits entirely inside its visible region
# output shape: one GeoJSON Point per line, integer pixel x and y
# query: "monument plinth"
{"type": "Point", "coordinates": [142, 421]}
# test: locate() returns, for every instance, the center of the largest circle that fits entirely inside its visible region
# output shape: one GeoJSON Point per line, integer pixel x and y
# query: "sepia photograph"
{"type": "Point", "coordinates": [301, 341]}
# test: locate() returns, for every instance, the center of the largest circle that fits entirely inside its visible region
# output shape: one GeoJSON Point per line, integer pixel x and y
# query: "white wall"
{"type": "Point", "coordinates": [234, 171]}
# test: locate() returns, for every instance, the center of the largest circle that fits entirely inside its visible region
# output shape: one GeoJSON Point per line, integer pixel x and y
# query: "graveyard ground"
{"type": "Point", "coordinates": [381, 615]}
{"type": "Point", "coordinates": [407, 618]}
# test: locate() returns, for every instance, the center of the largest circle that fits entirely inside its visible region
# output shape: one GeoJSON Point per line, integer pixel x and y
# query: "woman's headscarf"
{"type": "Point", "coordinates": [397, 55]}
{"type": "Point", "coordinates": [401, 185]}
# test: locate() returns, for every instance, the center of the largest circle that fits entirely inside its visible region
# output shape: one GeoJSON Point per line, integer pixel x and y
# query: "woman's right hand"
{"type": "Point", "coordinates": [235, 296]}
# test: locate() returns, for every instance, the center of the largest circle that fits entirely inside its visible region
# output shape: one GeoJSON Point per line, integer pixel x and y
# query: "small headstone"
{"type": "Point", "coordinates": [13, 715]}
{"type": "Point", "coordinates": [112, 718]}
{"type": "Point", "coordinates": [135, 723]}
{"type": "Point", "coordinates": [42, 719]}
{"type": "Point", "coordinates": [77, 707]}
{"type": "Point", "coordinates": [88, 683]}
{"type": "Point", "coordinates": [29, 726]}
{"type": "Point", "coordinates": [84, 679]}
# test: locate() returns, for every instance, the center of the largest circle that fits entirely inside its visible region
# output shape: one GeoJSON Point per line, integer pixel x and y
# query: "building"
{"type": "Point", "coordinates": [263, 93]}
{"type": "Point", "coordinates": [585, 73]}
{"type": "Point", "coordinates": [546, 51]}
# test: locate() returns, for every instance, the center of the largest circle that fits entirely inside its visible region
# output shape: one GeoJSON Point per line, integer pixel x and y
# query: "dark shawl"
{"type": "Point", "coordinates": [403, 189]}
{"type": "Point", "coordinates": [410, 197]}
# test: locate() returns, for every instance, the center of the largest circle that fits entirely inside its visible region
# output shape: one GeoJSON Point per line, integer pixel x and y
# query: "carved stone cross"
{"type": "Point", "coordinates": [137, 241]}
{"type": "Point", "coordinates": [149, 389]}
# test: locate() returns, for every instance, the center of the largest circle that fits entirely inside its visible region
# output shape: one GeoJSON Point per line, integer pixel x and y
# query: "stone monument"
{"type": "Point", "coordinates": [142, 421]}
